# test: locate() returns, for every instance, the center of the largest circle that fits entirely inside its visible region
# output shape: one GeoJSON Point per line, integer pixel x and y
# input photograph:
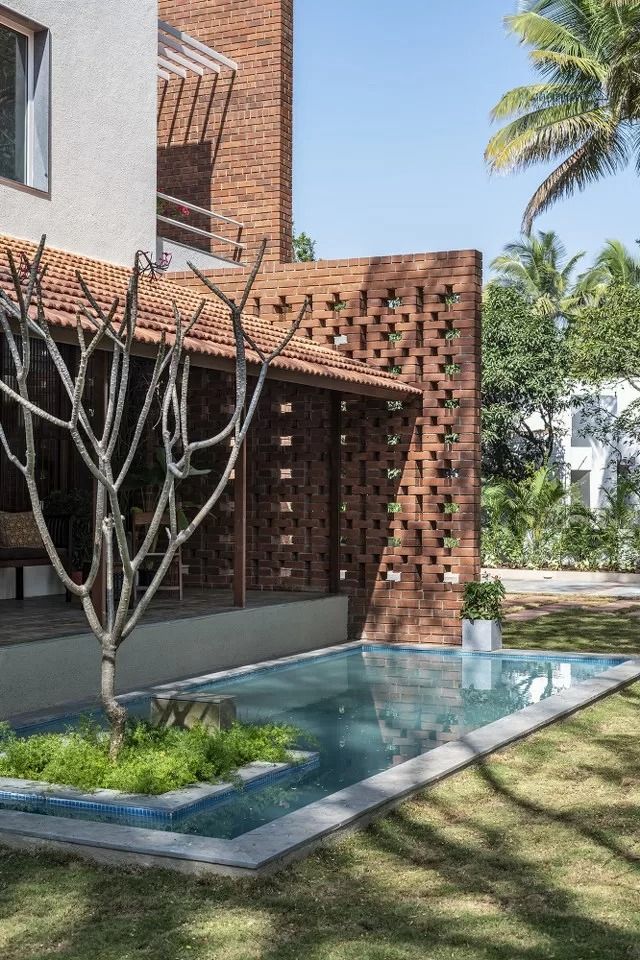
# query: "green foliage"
{"type": "Point", "coordinates": [450, 543]}
{"type": "Point", "coordinates": [394, 507]}
{"type": "Point", "coordinates": [152, 761]}
{"type": "Point", "coordinates": [482, 600]}
{"type": "Point", "coordinates": [451, 369]}
{"type": "Point", "coordinates": [452, 334]}
{"type": "Point", "coordinates": [304, 248]}
{"type": "Point", "coordinates": [534, 524]}
{"type": "Point", "coordinates": [583, 109]}
{"type": "Point", "coordinates": [452, 403]}
{"type": "Point", "coordinates": [450, 508]}
{"type": "Point", "coordinates": [539, 269]}
{"type": "Point", "coordinates": [525, 373]}
{"type": "Point", "coordinates": [522, 520]}
{"type": "Point", "coordinates": [451, 438]}
{"type": "Point", "coordinates": [604, 341]}
{"type": "Point", "coordinates": [394, 337]}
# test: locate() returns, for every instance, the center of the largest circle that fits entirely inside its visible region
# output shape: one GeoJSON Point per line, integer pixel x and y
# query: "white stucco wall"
{"type": "Point", "coordinates": [587, 454]}
{"type": "Point", "coordinates": [103, 130]}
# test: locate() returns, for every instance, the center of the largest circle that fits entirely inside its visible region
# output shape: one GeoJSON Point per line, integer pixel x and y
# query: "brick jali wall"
{"type": "Point", "coordinates": [287, 488]}
{"type": "Point", "coordinates": [227, 145]}
{"type": "Point", "coordinates": [410, 471]}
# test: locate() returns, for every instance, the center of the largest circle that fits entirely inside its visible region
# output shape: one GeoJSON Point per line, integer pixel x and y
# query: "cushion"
{"type": "Point", "coordinates": [19, 530]}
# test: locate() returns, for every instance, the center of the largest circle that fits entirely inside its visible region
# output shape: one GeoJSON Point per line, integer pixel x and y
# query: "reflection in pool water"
{"type": "Point", "coordinates": [370, 708]}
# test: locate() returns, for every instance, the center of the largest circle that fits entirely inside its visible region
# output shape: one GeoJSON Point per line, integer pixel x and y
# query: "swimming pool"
{"type": "Point", "coordinates": [367, 709]}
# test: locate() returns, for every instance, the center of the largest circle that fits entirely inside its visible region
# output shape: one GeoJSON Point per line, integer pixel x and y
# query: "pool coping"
{"type": "Point", "coordinates": [170, 806]}
{"type": "Point", "coordinates": [271, 846]}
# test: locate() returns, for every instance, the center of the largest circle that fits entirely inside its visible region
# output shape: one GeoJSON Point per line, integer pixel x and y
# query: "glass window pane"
{"type": "Point", "coordinates": [13, 104]}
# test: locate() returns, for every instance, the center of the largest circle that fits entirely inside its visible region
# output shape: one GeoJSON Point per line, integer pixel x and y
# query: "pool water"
{"type": "Point", "coordinates": [368, 709]}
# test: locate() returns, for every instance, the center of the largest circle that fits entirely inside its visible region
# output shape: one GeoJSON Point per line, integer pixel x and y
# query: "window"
{"type": "Point", "coordinates": [14, 103]}
{"type": "Point", "coordinates": [581, 487]}
{"type": "Point", "coordinates": [24, 103]}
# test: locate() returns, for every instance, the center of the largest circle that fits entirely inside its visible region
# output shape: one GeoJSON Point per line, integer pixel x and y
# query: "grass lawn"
{"type": "Point", "coordinates": [583, 630]}
{"type": "Point", "coordinates": [534, 854]}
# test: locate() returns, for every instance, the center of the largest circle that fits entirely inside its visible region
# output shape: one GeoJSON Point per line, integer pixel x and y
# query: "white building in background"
{"type": "Point", "coordinates": [591, 466]}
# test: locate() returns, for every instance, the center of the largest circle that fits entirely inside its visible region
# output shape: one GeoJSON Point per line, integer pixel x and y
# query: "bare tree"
{"type": "Point", "coordinates": [114, 330]}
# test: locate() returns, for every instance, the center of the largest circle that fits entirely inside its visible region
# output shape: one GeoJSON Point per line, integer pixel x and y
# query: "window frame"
{"type": "Point", "coordinates": [24, 31]}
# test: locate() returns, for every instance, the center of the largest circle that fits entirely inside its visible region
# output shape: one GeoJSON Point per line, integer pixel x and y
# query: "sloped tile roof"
{"type": "Point", "coordinates": [212, 336]}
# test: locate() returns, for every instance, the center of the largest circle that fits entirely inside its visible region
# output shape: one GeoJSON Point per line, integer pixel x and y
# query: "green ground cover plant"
{"type": "Point", "coordinates": [152, 761]}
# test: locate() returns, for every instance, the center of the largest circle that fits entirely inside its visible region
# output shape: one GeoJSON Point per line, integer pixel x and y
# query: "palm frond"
{"type": "Point", "coordinates": [601, 154]}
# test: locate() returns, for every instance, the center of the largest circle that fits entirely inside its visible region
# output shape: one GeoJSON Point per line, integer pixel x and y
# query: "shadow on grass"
{"type": "Point", "coordinates": [474, 869]}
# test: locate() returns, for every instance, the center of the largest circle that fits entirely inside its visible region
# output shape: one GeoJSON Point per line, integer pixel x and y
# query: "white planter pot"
{"type": "Point", "coordinates": [481, 636]}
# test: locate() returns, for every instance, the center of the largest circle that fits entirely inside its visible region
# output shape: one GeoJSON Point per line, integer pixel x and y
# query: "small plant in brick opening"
{"type": "Point", "coordinates": [483, 600]}
{"type": "Point", "coordinates": [452, 334]}
{"type": "Point", "coordinates": [394, 337]}
{"type": "Point", "coordinates": [395, 369]}
{"type": "Point", "coordinates": [343, 508]}
{"type": "Point", "coordinates": [451, 438]}
{"type": "Point", "coordinates": [452, 403]}
{"type": "Point", "coordinates": [450, 543]}
{"type": "Point", "coordinates": [394, 406]}
{"type": "Point", "coordinates": [451, 369]}
{"type": "Point", "coordinates": [393, 473]}
{"type": "Point", "coordinates": [451, 508]}
{"type": "Point", "coordinates": [452, 473]}
{"type": "Point", "coordinates": [175, 211]}
{"type": "Point", "coordinates": [393, 439]}
{"type": "Point", "coordinates": [394, 541]}
{"type": "Point", "coordinates": [394, 507]}
{"type": "Point", "coordinates": [450, 299]}
{"type": "Point", "coordinates": [339, 306]}
{"type": "Point", "coordinates": [394, 303]}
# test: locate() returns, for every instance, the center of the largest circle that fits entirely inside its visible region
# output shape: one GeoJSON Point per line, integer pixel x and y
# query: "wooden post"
{"type": "Point", "coordinates": [240, 528]}
{"type": "Point", "coordinates": [335, 490]}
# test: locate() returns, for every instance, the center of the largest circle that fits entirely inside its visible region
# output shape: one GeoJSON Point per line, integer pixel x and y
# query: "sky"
{"type": "Point", "coordinates": [391, 118]}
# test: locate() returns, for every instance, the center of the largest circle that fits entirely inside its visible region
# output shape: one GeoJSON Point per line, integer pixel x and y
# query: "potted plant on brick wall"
{"type": "Point", "coordinates": [481, 615]}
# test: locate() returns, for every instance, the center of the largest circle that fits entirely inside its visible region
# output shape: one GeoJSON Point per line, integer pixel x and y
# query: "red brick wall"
{"type": "Point", "coordinates": [287, 488]}
{"type": "Point", "coordinates": [400, 466]}
{"type": "Point", "coordinates": [227, 145]}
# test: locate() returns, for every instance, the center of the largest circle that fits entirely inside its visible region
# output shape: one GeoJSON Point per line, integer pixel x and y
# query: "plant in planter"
{"type": "Point", "coordinates": [481, 615]}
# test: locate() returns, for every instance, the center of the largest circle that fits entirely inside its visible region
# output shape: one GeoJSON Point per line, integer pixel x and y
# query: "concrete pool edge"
{"type": "Point", "coordinates": [271, 846]}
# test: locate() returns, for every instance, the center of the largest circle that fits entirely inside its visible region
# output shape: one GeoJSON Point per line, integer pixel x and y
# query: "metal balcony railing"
{"type": "Point", "coordinates": [166, 200]}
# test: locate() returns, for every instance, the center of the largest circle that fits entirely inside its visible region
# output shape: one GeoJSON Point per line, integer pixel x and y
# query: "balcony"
{"type": "Point", "coordinates": [177, 221]}
{"type": "Point", "coordinates": [189, 231]}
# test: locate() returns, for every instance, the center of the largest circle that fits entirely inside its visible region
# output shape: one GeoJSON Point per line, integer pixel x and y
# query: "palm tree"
{"type": "Point", "coordinates": [538, 267]}
{"type": "Point", "coordinates": [585, 112]}
{"type": "Point", "coordinates": [617, 264]}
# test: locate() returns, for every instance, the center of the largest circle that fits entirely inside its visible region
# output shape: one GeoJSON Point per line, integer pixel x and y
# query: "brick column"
{"type": "Point", "coordinates": [230, 147]}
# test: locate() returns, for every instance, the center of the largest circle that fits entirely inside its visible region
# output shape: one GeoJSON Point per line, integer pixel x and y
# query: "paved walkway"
{"type": "Point", "coordinates": [576, 587]}
{"type": "Point", "coordinates": [529, 607]}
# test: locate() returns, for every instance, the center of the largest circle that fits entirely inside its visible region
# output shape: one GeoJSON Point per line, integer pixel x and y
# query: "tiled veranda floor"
{"type": "Point", "coordinates": [44, 618]}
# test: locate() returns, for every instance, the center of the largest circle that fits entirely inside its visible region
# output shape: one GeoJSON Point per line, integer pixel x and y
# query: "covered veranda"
{"type": "Point", "coordinates": [271, 546]}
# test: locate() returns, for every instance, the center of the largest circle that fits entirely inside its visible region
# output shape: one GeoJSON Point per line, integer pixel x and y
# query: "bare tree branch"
{"type": "Point", "coordinates": [169, 384]}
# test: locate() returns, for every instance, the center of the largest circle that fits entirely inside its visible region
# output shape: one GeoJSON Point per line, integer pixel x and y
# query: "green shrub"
{"type": "Point", "coordinates": [152, 761]}
{"type": "Point", "coordinates": [483, 600]}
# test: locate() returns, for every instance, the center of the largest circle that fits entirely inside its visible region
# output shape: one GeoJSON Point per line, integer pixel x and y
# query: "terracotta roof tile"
{"type": "Point", "coordinates": [212, 336]}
